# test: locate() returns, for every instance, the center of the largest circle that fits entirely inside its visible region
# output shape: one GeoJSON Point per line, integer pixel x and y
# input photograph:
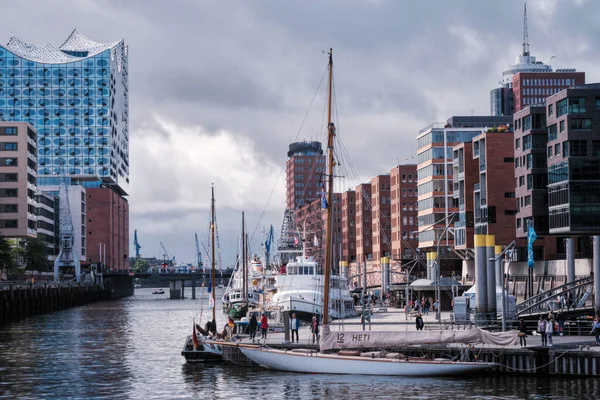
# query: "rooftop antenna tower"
{"type": "Point", "coordinates": [525, 35]}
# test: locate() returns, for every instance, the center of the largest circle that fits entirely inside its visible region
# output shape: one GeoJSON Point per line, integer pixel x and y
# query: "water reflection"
{"type": "Point", "coordinates": [131, 349]}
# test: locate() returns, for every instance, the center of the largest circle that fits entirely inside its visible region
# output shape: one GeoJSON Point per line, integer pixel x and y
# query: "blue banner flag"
{"type": "Point", "coordinates": [531, 237]}
{"type": "Point", "coordinates": [209, 288]}
{"type": "Point", "coordinates": [323, 197]}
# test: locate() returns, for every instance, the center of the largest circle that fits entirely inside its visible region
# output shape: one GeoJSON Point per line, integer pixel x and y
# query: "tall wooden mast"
{"type": "Point", "coordinates": [330, 164]}
{"type": "Point", "coordinates": [212, 248]}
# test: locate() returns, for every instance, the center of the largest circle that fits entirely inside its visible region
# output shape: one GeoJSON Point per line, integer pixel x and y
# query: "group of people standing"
{"type": "Point", "coordinates": [423, 305]}
{"type": "Point", "coordinates": [314, 328]}
{"type": "Point", "coordinates": [253, 326]}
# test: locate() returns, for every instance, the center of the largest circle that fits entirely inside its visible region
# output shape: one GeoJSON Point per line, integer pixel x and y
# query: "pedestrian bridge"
{"type": "Point", "coordinates": [573, 298]}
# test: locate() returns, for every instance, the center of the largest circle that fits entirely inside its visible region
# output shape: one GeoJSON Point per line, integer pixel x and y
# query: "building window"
{"type": "Point", "coordinates": [509, 195]}
{"type": "Point", "coordinates": [10, 131]}
{"type": "Point", "coordinates": [549, 151]}
{"type": "Point", "coordinates": [9, 162]}
{"type": "Point", "coordinates": [578, 148]}
{"type": "Point", "coordinates": [557, 149]}
{"type": "Point", "coordinates": [521, 181]}
{"type": "Point", "coordinates": [552, 133]}
{"type": "Point", "coordinates": [8, 223]}
{"type": "Point", "coordinates": [562, 125]}
{"type": "Point", "coordinates": [10, 146]}
{"type": "Point", "coordinates": [581, 124]}
{"type": "Point", "coordinates": [8, 192]}
{"type": "Point", "coordinates": [565, 149]}
{"type": "Point", "coordinates": [595, 148]}
{"type": "Point", "coordinates": [517, 143]}
{"type": "Point", "coordinates": [9, 208]}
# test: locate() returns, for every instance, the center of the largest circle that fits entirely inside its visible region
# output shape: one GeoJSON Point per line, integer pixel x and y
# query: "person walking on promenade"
{"type": "Point", "coordinates": [314, 328]}
{"type": "Point", "coordinates": [549, 331]}
{"type": "Point", "coordinates": [264, 325]}
{"type": "Point", "coordinates": [427, 307]}
{"type": "Point", "coordinates": [596, 330]}
{"type": "Point", "coordinates": [541, 328]}
{"type": "Point", "coordinates": [294, 325]}
{"type": "Point", "coordinates": [560, 319]}
{"type": "Point", "coordinates": [522, 333]}
{"type": "Point", "coordinates": [419, 322]}
{"type": "Point", "coordinates": [253, 326]}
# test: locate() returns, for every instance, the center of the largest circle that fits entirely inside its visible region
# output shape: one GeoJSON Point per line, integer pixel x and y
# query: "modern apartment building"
{"type": "Point", "coordinates": [305, 169]}
{"type": "Point", "coordinates": [349, 226]}
{"type": "Point", "coordinates": [530, 88]}
{"type": "Point", "coordinates": [531, 170]}
{"type": "Point", "coordinates": [381, 226]}
{"type": "Point", "coordinates": [403, 207]}
{"type": "Point", "coordinates": [494, 191]}
{"type": "Point", "coordinates": [18, 179]}
{"type": "Point", "coordinates": [364, 226]}
{"type": "Point", "coordinates": [48, 222]}
{"type": "Point", "coordinates": [573, 151]}
{"type": "Point", "coordinates": [437, 208]}
{"type": "Point", "coordinates": [466, 179]}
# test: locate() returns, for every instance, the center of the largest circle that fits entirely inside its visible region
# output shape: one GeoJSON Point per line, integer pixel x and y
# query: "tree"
{"type": "Point", "coordinates": [141, 266]}
{"type": "Point", "coordinates": [36, 255]}
{"type": "Point", "coordinates": [7, 260]}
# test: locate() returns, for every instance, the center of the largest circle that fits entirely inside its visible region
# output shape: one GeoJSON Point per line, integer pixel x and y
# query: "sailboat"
{"type": "Point", "coordinates": [239, 297]}
{"type": "Point", "coordinates": [196, 349]}
{"type": "Point", "coordinates": [349, 362]}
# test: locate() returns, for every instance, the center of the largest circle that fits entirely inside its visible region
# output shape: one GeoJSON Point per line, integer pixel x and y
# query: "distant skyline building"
{"type": "Point", "coordinates": [528, 81]}
{"type": "Point", "coordinates": [76, 96]}
{"type": "Point", "coordinates": [304, 170]}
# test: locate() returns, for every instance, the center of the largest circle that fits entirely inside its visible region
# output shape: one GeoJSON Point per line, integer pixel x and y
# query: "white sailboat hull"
{"type": "Point", "coordinates": [320, 363]}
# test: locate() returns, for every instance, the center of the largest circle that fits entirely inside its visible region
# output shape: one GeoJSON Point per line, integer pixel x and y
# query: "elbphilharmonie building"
{"type": "Point", "coordinates": [76, 96]}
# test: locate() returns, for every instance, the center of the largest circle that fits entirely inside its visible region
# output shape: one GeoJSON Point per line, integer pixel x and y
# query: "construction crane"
{"type": "Point", "coordinates": [165, 254]}
{"type": "Point", "coordinates": [136, 244]}
{"type": "Point", "coordinates": [67, 256]}
{"type": "Point", "coordinates": [267, 245]}
{"type": "Point", "coordinates": [198, 253]}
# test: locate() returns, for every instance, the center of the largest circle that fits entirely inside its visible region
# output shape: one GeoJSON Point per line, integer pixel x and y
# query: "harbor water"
{"type": "Point", "coordinates": [130, 349]}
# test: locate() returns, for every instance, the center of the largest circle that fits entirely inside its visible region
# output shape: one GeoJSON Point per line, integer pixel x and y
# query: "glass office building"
{"type": "Point", "coordinates": [76, 96]}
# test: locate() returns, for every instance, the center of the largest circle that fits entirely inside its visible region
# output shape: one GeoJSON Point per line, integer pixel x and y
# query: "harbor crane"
{"type": "Point", "coordinates": [136, 244]}
{"type": "Point", "coordinates": [165, 253]}
{"type": "Point", "coordinates": [67, 256]}
{"type": "Point", "coordinates": [198, 253]}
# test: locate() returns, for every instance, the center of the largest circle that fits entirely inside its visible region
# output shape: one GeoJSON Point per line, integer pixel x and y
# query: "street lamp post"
{"type": "Point", "coordinates": [408, 271]}
{"type": "Point", "coordinates": [507, 250]}
{"type": "Point", "coordinates": [437, 270]}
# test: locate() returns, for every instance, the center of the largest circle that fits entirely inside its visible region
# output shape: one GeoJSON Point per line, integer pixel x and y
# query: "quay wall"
{"type": "Point", "coordinates": [17, 303]}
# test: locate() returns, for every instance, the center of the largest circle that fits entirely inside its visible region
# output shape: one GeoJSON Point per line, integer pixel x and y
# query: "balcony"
{"type": "Point", "coordinates": [482, 166]}
{"type": "Point", "coordinates": [476, 187]}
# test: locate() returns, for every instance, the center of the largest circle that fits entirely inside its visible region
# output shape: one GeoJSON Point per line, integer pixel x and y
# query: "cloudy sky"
{"type": "Point", "coordinates": [218, 89]}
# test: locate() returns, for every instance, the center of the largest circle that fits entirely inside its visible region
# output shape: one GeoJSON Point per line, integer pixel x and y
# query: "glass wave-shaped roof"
{"type": "Point", "coordinates": [76, 47]}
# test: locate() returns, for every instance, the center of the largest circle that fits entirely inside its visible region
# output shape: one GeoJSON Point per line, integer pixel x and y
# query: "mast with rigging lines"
{"type": "Point", "coordinates": [212, 248]}
{"type": "Point", "coordinates": [330, 164]}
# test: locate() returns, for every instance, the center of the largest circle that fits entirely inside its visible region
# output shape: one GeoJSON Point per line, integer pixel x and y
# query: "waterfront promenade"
{"type": "Point", "coordinates": [393, 319]}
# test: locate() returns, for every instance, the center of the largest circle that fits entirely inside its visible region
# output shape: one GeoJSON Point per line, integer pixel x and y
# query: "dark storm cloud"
{"type": "Point", "coordinates": [252, 67]}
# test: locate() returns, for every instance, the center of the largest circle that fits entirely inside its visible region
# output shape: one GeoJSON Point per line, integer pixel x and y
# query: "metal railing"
{"type": "Point", "coordinates": [557, 298]}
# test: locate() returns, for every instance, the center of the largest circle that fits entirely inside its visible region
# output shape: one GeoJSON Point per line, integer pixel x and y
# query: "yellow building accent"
{"type": "Point", "coordinates": [490, 240]}
{"type": "Point", "coordinates": [479, 240]}
{"type": "Point", "coordinates": [498, 250]}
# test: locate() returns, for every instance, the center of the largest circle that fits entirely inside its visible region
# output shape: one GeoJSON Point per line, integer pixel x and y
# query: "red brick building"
{"type": "Point", "coordinates": [304, 169]}
{"type": "Point", "coordinates": [381, 226]}
{"type": "Point", "coordinates": [403, 211]}
{"type": "Point", "coordinates": [107, 225]}
{"type": "Point", "coordinates": [364, 244]}
{"type": "Point", "coordinates": [349, 226]}
{"type": "Point", "coordinates": [531, 88]}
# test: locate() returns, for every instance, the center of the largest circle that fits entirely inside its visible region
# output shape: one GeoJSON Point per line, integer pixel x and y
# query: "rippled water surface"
{"type": "Point", "coordinates": [131, 349]}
